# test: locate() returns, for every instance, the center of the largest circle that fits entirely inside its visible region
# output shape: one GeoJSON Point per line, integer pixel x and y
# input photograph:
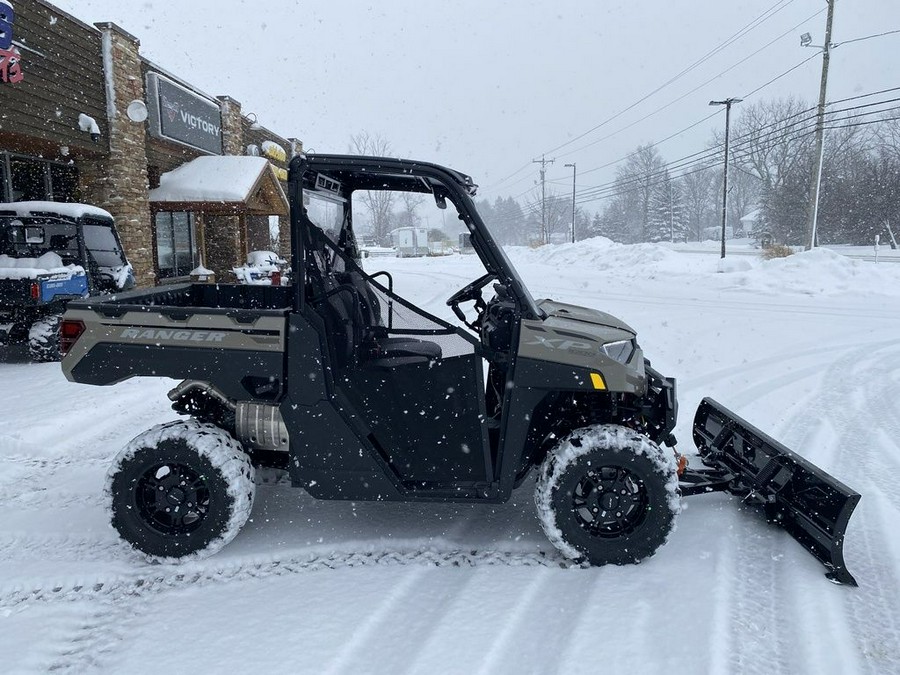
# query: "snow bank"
{"type": "Point", "coordinates": [600, 254]}
{"type": "Point", "coordinates": [819, 272]}
{"type": "Point", "coordinates": [32, 268]}
{"type": "Point", "coordinates": [816, 272]}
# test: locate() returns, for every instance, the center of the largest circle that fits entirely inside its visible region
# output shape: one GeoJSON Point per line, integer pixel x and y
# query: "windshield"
{"type": "Point", "coordinates": [100, 241]}
{"type": "Point", "coordinates": [504, 261]}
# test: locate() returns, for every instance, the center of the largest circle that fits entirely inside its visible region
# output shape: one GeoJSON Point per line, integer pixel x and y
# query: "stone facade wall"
{"type": "Point", "coordinates": [224, 245]}
{"type": "Point", "coordinates": [121, 184]}
{"type": "Point", "coordinates": [226, 236]}
{"type": "Point", "coordinates": [114, 169]}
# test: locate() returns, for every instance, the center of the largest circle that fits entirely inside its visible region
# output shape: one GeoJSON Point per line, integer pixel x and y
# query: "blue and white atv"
{"type": "Point", "coordinates": [51, 253]}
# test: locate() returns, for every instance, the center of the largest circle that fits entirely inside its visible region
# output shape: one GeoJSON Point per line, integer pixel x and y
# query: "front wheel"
{"type": "Point", "coordinates": [607, 495]}
{"type": "Point", "coordinates": [180, 489]}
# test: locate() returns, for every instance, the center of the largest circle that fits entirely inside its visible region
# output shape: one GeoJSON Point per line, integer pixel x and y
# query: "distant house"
{"type": "Point", "coordinates": [748, 222]}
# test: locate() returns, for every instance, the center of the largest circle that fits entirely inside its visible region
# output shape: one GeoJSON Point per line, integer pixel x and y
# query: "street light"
{"type": "Point", "coordinates": [728, 102]}
{"type": "Point", "coordinates": [573, 199]}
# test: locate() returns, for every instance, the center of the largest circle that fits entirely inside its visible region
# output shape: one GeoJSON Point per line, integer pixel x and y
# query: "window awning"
{"type": "Point", "coordinates": [221, 185]}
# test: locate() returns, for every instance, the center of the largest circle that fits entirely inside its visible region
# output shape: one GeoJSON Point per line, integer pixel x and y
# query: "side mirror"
{"type": "Point", "coordinates": [440, 200]}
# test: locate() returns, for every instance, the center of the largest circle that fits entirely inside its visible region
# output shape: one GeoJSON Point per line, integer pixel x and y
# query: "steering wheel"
{"type": "Point", "coordinates": [469, 292]}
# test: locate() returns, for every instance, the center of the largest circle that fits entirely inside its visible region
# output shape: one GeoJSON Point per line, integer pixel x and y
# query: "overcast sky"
{"type": "Point", "coordinates": [487, 86]}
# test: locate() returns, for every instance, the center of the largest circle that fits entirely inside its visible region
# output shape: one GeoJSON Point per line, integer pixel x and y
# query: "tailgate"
{"type": "Point", "coordinates": [241, 351]}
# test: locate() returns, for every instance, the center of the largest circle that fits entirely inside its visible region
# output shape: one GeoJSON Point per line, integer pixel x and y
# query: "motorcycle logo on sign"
{"type": "Point", "coordinates": [10, 66]}
{"type": "Point", "coordinates": [172, 109]}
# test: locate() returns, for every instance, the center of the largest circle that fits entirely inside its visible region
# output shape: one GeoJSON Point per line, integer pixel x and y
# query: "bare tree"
{"type": "Point", "coordinates": [557, 215]}
{"type": "Point", "coordinates": [743, 195]}
{"type": "Point", "coordinates": [409, 216]}
{"type": "Point", "coordinates": [770, 140]}
{"type": "Point", "coordinates": [379, 203]}
{"type": "Point", "coordinates": [698, 193]}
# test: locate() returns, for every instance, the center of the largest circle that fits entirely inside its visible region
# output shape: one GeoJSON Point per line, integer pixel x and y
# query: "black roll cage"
{"type": "Point", "coordinates": [349, 173]}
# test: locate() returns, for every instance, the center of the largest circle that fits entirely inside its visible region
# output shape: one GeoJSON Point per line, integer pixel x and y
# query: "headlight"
{"type": "Point", "coordinates": [619, 351]}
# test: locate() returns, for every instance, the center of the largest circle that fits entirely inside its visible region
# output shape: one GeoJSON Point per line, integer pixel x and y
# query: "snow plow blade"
{"type": "Point", "coordinates": [811, 505]}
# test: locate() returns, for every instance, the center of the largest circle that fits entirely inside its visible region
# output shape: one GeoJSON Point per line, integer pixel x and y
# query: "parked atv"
{"type": "Point", "coordinates": [51, 253]}
{"type": "Point", "coordinates": [359, 394]}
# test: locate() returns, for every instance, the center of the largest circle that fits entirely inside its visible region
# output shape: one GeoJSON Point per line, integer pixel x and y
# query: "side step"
{"type": "Point", "coordinates": [811, 505]}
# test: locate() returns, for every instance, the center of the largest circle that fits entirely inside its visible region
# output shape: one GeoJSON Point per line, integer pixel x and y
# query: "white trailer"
{"type": "Point", "coordinates": [410, 242]}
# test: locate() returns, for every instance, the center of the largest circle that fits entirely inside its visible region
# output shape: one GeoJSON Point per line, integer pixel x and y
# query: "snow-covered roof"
{"type": "Point", "coordinates": [751, 217]}
{"type": "Point", "coordinates": [23, 209]}
{"type": "Point", "coordinates": [212, 179]}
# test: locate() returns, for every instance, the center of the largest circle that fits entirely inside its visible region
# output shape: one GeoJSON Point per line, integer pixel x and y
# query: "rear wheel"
{"type": "Point", "coordinates": [179, 489]}
{"type": "Point", "coordinates": [43, 339]}
{"type": "Point", "coordinates": [606, 494]}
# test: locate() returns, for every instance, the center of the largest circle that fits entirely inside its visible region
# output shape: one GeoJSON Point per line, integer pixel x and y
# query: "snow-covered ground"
{"type": "Point", "coordinates": [807, 348]}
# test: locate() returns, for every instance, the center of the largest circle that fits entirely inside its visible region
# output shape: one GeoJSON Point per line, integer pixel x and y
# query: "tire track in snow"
{"type": "Point", "coordinates": [60, 548]}
{"type": "Point", "coordinates": [372, 624]}
{"type": "Point", "coordinates": [119, 600]}
{"type": "Point", "coordinates": [39, 500]}
{"type": "Point", "coordinates": [753, 366]}
{"type": "Point", "coordinates": [834, 431]}
{"type": "Point", "coordinates": [88, 646]}
{"type": "Point", "coordinates": [170, 577]}
{"type": "Point", "coordinates": [764, 617]}
{"type": "Point", "coordinates": [33, 487]}
{"type": "Point", "coordinates": [354, 656]}
{"type": "Point", "coordinates": [758, 643]}
{"type": "Point", "coordinates": [510, 630]}
{"type": "Point", "coordinates": [873, 609]}
{"type": "Point", "coordinates": [876, 626]}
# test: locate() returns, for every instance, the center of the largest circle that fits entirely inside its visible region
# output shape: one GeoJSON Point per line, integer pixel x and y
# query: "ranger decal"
{"type": "Point", "coordinates": [174, 335]}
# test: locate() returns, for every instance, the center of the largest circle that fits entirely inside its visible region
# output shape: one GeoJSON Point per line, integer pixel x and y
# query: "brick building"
{"type": "Point", "coordinates": [84, 117]}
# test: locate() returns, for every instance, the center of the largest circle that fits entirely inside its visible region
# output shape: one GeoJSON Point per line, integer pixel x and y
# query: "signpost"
{"type": "Point", "coordinates": [178, 114]}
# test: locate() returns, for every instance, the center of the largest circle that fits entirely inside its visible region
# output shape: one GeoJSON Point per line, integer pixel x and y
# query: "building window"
{"type": "Point", "coordinates": [27, 179]}
{"type": "Point", "coordinates": [176, 246]}
{"type": "Point", "coordinates": [4, 178]}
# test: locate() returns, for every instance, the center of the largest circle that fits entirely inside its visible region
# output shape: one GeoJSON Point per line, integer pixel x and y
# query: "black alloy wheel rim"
{"type": "Point", "coordinates": [172, 499]}
{"type": "Point", "coordinates": [610, 501]}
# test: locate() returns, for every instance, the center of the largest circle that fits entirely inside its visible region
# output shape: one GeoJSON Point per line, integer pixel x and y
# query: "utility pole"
{"type": "Point", "coordinates": [728, 102]}
{"type": "Point", "coordinates": [543, 162]}
{"type": "Point", "coordinates": [574, 169]}
{"type": "Point", "coordinates": [671, 212]}
{"type": "Point", "coordinates": [816, 181]}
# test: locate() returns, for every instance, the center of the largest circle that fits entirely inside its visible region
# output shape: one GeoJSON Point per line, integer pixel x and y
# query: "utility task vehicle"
{"type": "Point", "coordinates": [359, 394]}
{"type": "Point", "coordinates": [51, 253]}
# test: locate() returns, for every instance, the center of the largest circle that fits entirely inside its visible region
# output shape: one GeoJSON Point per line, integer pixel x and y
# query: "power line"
{"type": "Point", "coordinates": [703, 84]}
{"type": "Point", "coordinates": [779, 129]}
{"type": "Point", "coordinates": [660, 109]}
{"type": "Point", "coordinates": [718, 112]}
{"type": "Point", "coordinates": [683, 96]}
{"type": "Point", "coordinates": [778, 77]}
{"type": "Point", "coordinates": [703, 159]}
{"type": "Point", "coordinates": [862, 124]}
{"type": "Point", "coordinates": [777, 7]}
{"type": "Point", "coordinates": [867, 37]}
